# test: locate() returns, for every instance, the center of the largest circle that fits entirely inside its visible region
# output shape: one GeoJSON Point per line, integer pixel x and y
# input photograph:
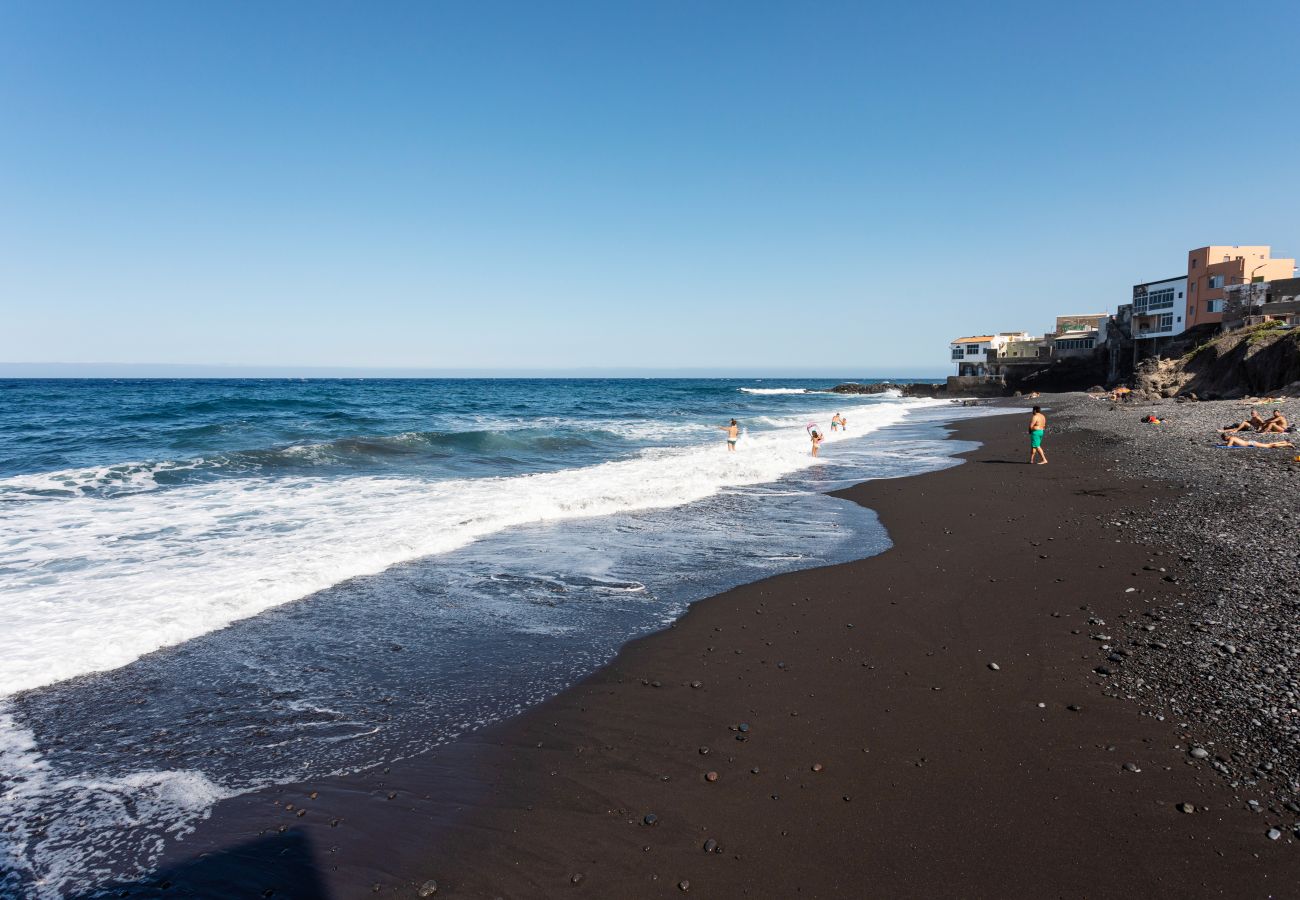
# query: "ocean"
{"type": "Point", "coordinates": [210, 586]}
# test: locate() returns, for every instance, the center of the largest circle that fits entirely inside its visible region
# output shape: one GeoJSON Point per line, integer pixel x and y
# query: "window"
{"type": "Point", "coordinates": [956, 353]}
{"type": "Point", "coordinates": [1214, 306]}
{"type": "Point", "coordinates": [1214, 282]}
{"type": "Point", "coordinates": [1166, 322]}
{"type": "Point", "coordinates": [972, 349]}
{"type": "Point", "coordinates": [1180, 295]}
{"type": "Point", "coordinates": [1162, 299]}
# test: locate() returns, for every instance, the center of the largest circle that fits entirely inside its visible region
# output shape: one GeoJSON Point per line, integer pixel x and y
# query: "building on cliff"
{"type": "Point", "coordinates": [1158, 308]}
{"type": "Point", "coordinates": [1262, 301]}
{"type": "Point", "coordinates": [1211, 270]}
{"type": "Point", "coordinates": [971, 354]}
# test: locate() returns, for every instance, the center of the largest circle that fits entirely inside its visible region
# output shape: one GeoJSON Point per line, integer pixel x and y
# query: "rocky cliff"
{"type": "Point", "coordinates": [1258, 360]}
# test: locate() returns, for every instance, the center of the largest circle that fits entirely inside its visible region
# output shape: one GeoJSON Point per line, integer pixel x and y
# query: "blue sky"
{"type": "Point", "coordinates": [749, 186]}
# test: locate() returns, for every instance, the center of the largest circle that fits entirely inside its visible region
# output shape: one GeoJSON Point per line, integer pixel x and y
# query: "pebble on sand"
{"type": "Point", "coordinates": [683, 886]}
{"type": "Point", "coordinates": [649, 819]}
{"type": "Point", "coordinates": [428, 889]}
{"type": "Point", "coordinates": [995, 667]}
{"type": "Point", "coordinates": [1274, 834]}
{"type": "Point", "coordinates": [816, 767]}
{"type": "Point", "coordinates": [1186, 807]}
{"type": "Point", "coordinates": [710, 776]}
{"type": "Point", "coordinates": [1198, 753]}
{"type": "Point", "coordinates": [711, 846]}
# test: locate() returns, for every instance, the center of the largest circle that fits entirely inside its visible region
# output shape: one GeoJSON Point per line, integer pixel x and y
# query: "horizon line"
{"type": "Point", "coordinates": [54, 370]}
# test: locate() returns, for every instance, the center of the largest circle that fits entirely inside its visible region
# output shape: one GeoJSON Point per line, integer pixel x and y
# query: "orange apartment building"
{"type": "Point", "coordinates": [1211, 269]}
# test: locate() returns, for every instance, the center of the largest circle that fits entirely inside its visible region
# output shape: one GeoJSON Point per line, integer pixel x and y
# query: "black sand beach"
{"type": "Point", "coordinates": [929, 722]}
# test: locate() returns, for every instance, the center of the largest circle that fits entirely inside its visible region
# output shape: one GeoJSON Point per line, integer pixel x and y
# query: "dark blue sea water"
{"type": "Point", "coordinates": [210, 586]}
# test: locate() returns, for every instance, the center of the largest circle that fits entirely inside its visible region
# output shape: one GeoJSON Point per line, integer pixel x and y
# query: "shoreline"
{"type": "Point", "coordinates": [938, 775]}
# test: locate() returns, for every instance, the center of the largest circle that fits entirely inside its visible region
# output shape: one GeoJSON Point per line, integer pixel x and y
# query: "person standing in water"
{"type": "Point", "coordinates": [1037, 425]}
{"type": "Point", "coordinates": [838, 422]}
{"type": "Point", "coordinates": [816, 440]}
{"type": "Point", "coordinates": [733, 434]}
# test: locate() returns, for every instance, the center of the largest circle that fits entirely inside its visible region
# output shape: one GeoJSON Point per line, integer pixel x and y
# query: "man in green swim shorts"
{"type": "Point", "coordinates": [1037, 425]}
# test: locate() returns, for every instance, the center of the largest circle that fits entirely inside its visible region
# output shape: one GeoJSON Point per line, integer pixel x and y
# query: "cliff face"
{"type": "Point", "coordinates": [1259, 360]}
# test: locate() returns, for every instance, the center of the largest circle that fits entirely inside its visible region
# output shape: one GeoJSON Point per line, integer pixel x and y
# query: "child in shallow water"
{"type": "Point", "coordinates": [816, 440]}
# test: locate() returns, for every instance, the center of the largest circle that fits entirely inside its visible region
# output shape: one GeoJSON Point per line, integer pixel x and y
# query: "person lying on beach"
{"type": "Point", "coordinates": [733, 434]}
{"type": "Point", "coordinates": [1231, 440]}
{"type": "Point", "coordinates": [816, 440]}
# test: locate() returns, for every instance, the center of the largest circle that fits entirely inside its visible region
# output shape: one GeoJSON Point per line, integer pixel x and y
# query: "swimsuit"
{"type": "Point", "coordinates": [1036, 438]}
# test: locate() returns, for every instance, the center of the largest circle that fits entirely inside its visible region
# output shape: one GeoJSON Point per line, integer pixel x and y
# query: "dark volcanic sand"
{"type": "Point", "coordinates": [939, 777]}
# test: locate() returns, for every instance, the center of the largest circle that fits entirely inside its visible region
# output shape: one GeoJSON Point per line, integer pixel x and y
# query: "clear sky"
{"type": "Point", "coordinates": [748, 185]}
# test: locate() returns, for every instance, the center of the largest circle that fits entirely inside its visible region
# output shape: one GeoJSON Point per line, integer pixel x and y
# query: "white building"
{"type": "Point", "coordinates": [1158, 308]}
{"type": "Point", "coordinates": [971, 353]}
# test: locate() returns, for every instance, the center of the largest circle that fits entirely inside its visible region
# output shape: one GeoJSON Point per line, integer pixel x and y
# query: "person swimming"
{"type": "Point", "coordinates": [733, 434]}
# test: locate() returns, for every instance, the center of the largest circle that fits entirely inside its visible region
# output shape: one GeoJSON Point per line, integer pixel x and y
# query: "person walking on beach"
{"type": "Point", "coordinates": [839, 422]}
{"type": "Point", "coordinates": [733, 434]}
{"type": "Point", "coordinates": [816, 440]}
{"type": "Point", "coordinates": [1037, 425]}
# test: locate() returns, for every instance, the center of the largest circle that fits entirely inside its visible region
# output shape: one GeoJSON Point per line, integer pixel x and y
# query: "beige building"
{"type": "Point", "coordinates": [1211, 269]}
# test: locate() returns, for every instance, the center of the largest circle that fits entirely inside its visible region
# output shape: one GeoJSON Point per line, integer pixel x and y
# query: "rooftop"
{"type": "Point", "coordinates": [973, 340]}
{"type": "Point", "coordinates": [1159, 281]}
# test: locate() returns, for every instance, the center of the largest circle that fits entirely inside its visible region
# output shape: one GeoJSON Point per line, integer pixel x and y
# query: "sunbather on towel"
{"type": "Point", "coordinates": [1231, 440]}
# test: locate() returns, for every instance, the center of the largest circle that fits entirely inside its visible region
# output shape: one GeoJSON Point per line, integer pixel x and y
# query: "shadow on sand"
{"type": "Point", "coordinates": [280, 866]}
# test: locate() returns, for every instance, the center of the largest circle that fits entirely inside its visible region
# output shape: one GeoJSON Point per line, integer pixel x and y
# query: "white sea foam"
{"type": "Point", "coordinates": [84, 818]}
{"type": "Point", "coordinates": [93, 582]}
{"type": "Point", "coordinates": [746, 390]}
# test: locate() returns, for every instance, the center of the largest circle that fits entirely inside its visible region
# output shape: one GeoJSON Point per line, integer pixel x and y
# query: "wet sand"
{"type": "Point", "coordinates": [863, 746]}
